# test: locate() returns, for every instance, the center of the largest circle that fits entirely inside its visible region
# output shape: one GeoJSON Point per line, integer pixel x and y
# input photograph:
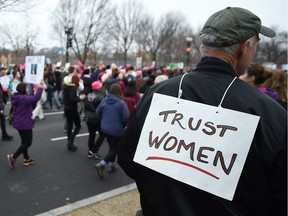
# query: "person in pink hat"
{"type": "Point", "coordinates": [91, 103]}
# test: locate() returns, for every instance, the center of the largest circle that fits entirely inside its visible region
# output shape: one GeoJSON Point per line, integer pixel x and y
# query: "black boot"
{"type": "Point", "coordinates": [6, 137]}
{"type": "Point", "coordinates": [71, 147]}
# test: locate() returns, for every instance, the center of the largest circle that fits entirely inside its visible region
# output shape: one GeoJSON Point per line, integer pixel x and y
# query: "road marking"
{"type": "Point", "coordinates": [65, 137]}
{"type": "Point", "coordinates": [53, 113]}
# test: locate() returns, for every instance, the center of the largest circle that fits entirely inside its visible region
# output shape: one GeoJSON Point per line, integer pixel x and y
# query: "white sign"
{"type": "Point", "coordinates": [200, 145]}
{"type": "Point", "coordinates": [5, 81]}
{"type": "Point", "coordinates": [58, 64]}
{"type": "Point", "coordinates": [138, 62]}
{"type": "Point", "coordinates": [67, 65]}
{"type": "Point", "coordinates": [34, 70]}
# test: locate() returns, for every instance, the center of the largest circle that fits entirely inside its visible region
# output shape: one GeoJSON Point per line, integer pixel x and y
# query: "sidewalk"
{"type": "Point", "coordinates": [122, 201]}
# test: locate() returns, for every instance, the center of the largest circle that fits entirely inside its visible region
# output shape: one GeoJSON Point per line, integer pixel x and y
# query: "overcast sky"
{"type": "Point", "coordinates": [271, 12]}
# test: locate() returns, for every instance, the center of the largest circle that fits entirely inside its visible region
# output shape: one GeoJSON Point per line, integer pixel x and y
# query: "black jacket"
{"type": "Point", "coordinates": [70, 98]}
{"type": "Point", "coordinates": [262, 188]}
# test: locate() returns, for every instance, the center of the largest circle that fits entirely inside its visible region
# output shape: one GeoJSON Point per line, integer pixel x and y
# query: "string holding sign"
{"type": "Point", "coordinates": [180, 91]}
{"type": "Point", "coordinates": [180, 85]}
{"type": "Point", "coordinates": [220, 105]}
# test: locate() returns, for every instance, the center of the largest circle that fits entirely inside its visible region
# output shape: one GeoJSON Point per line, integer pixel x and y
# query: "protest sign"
{"type": "Point", "coordinates": [203, 146]}
{"type": "Point", "coordinates": [34, 69]}
{"type": "Point", "coordinates": [5, 81]}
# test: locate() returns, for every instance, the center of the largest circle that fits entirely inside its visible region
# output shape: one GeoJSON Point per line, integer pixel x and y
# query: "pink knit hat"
{"type": "Point", "coordinates": [96, 85]}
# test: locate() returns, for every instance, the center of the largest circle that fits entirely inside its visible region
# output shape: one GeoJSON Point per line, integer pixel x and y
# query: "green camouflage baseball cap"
{"type": "Point", "coordinates": [233, 25]}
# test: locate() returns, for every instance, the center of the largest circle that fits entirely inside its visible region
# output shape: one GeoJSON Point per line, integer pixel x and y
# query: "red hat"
{"type": "Point", "coordinates": [96, 85]}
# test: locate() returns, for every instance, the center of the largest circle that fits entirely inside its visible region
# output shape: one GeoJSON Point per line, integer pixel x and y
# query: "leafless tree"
{"type": "Point", "coordinates": [16, 5]}
{"type": "Point", "coordinates": [21, 40]}
{"type": "Point", "coordinates": [274, 50]}
{"type": "Point", "coordinates": [126, 24]}
{"type": "Point", "coordinates": [89, 19]}
{"type": "Point", "coordinates": [155, 35]}
{"type": "Point", "coordinates": [174, 49]}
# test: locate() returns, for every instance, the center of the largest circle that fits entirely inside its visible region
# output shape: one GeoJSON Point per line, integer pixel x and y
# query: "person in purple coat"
{"type": "Point", "coordinates": [23, 122]}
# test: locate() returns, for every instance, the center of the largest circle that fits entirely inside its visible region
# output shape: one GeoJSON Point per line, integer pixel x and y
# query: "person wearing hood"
{"type": "Point", "coordinates": [71, 99]}
{"type": "Point", "coordinates": [114, 116]}
{"type": "Point", "coordinates": [22, 121]}
{"type": "Point", "coordinates": [91, 103]}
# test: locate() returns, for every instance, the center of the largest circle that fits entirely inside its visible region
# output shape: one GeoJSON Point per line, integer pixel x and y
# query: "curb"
{"type": "Point", "coordinates": [91, 200]}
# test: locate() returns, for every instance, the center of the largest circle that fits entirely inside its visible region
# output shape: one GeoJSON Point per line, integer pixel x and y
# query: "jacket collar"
{"type": "Point", "coordinates": [212, 64]}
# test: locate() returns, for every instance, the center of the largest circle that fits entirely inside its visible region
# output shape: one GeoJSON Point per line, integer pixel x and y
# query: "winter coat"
{"type": "Point", "coordinates": [23, 108]}
{"type": "Point", "coordinates": [114, 115]}
{"type": "Point", "coordinates": [91, 103]}
{"type": "Point", "coordinates": [70, 98]}
{"type": "Point", "coordinates": [131, 102]}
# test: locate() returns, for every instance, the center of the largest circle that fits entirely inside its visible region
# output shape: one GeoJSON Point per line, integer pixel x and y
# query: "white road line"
{"type": "Point", "coordinates": [65, 137]}
{"type": "Point", "coordinates": [53, 113]}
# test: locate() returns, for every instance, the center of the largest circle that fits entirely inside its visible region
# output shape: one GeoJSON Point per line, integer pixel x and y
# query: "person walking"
{"type": "Point", "coordinates": [131, 95]}
{"type": "Point", "coordinates": [71, 99]}
{"type": "Point", "coordinates": [4, 91]}
{"type": "Point", "coordinates": [91, 103]}
{"type": "Point", "coordinates": [228, 42]}
{"type": "Point", "coordinates": [114, 116]}
{"type": "Point", "coordinates": [22, 121]}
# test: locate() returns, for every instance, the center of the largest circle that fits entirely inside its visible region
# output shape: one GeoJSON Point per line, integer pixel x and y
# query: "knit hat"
{"type": "Point", "coordinates": [21, 88]}
{"type": "Point", "coordinates": [233, 25]}
{"type": "Point", "coordinates": [96, 85]}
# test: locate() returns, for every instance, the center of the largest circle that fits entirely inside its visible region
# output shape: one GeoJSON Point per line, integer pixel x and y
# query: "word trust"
{"type": "Point", "coordinates": [208, 128]}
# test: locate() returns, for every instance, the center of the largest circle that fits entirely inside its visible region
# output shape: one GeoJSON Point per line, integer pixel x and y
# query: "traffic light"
{"type": "Point", "coordinates": [188, 49]}
{"type": "Point", "coordinates": [69, 42]}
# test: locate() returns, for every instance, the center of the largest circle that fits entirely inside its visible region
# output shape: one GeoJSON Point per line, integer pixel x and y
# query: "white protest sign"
{"type": "Point", "coordinates": [200, 145]}
{"type": "Point", "coordinates": [138, 62]}
{"type": "Point", "coordinates": [5, 81]}
{"type": "Point", "coordinates": [58, 64]}
{"type": "Point", "coordinates": [34, 70]}
{"type": "Point", "coordinates": [67, 65]}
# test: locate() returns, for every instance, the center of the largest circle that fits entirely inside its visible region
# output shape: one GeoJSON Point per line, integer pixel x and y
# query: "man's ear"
{"type": "Point", "coordinates": [243, 48]}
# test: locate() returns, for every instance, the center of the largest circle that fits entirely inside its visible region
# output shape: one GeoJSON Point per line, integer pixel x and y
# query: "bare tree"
{"type": "Point", "coordinates": [126, 24]}
{"type": "Point", "coordinates": [174, 49]}
{"type": "Point", "coordinates": [17, 5]}
{"type": "Point", "coordinates": [89, 19]}
{"type": "Point", "coordinates": [22, 41]}
{"type": "Point", "coordinates": [274, 50]}
{"type": "Point", "coordinates": [155, 35]}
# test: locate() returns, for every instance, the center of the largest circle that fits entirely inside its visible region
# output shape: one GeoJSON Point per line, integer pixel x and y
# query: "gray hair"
{"type": "Point", "coordinates": [207, 38]}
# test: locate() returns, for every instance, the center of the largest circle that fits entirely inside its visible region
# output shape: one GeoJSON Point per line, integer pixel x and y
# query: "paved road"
{"type": "Point", "coordinates": [59, 177]}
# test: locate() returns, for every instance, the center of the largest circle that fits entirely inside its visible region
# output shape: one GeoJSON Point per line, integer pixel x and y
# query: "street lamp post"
{"type": "Point", "coordinates": [68, 32]}
{"type": "Point", "coordinates": [188, 49]}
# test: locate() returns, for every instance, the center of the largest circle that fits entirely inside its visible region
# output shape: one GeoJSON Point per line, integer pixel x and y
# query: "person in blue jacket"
{"type": "Point", "coordinates": [114, 116]}
{"type": "Point", "coordinates": [23, 122]}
